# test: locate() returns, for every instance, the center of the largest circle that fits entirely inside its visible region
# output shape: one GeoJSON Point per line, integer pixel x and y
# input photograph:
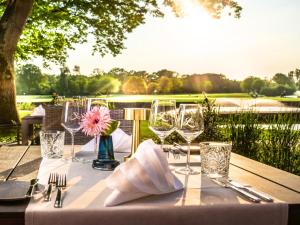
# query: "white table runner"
{"type": "Point", "coordinates": [201, 202]}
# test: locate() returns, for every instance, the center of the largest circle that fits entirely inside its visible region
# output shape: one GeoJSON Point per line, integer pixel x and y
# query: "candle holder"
{"type": "Point", "coordinates": [137, 115]}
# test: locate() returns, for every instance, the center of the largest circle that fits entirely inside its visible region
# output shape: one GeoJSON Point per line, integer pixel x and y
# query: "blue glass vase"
{"type": "Point", "coordinates": [106, 159]}
{"type": "Point", "coordinates": [106, 148]}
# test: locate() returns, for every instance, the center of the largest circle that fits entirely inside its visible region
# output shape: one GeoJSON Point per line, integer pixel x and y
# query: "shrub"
{"type": "Point", "coordinates": [211, 117]}
{"type": "Point", "coordinates": [277, 90]}
{"type": "Point", "coordinates": [25, 106]}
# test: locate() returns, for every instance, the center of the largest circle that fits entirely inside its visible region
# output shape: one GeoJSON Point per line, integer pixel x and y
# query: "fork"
{"type": "Point", "coordinates": [61, 183]}
{"type": "Point", "coordinates": [51, 181]}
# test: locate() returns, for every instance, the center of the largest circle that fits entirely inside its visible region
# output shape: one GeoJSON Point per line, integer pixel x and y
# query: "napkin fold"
{"type": "Point", "coordinates": [121, 142]}
{"type": "Point", "coordinates": [38, 111]}
{"type": "Point", "coordinates": [147, 173]}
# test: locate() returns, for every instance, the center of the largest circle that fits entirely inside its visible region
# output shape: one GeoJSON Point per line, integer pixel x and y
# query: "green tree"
{"type": "Point", "coordinates": [63, 80]}
{"type": "Point", "coordinates": [103, 85]}
{"type": "Point", "coordinates": [177, 85]}
{"type": "Point", "coordinates": [73, 87]}
{"type": "Point", "coordinates": [118, 73]}
{"type": "Point", "coordinates": [165, 85]}
{"type": "Point", "coordinates": [295, 76]}
{"type": "Point", "coordinates": [134, 85]}
{"type": "Point", "coordinates": [246, 84]}
{"type": "Point", "coordinates": [48, 28]}
{"type": "Point", "coordinates": [283, 79]}
{"type": "Point", "coordinates": [152, 88]}
{"type": "Point", "coordinates": [258, 84]}
{"type": "Point", "coordinates": [166, 73]}
{"type": "Point", "coordinates": [30, 80]}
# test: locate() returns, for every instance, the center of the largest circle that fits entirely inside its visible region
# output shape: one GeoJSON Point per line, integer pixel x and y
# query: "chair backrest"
{"type": "Point", "coordinates": [52, 121]}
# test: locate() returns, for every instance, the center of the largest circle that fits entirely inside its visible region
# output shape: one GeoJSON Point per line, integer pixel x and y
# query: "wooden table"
{"type": "Point", "coordinates": [277, 183]}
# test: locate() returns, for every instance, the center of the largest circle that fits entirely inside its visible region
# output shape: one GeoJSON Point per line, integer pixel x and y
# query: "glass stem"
{"type": "Point", "coordinates": [188, 156]}
{"type": "Point", "coordinates": [162, 140]}
{"type": "Point", "coordinates": [72, 150]}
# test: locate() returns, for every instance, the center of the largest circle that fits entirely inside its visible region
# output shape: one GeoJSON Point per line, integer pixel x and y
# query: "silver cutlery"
{"type": "Point", "coordinates": [61, 183]}
{"type": "Point", "coordinates": [51, 181]}
{"type": "Point", "coordinates": [242, 192]}
{"type": "Point", "coordinates": [31, 188]}
{"type": "Point", "coordinates": [259, 194]}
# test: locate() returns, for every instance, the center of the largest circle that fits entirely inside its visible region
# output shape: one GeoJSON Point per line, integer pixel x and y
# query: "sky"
{"type": "Point", "coordinates": [264, 41]}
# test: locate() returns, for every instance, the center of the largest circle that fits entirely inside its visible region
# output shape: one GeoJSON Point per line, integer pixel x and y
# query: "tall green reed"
{"type": "Point", "coordinates": [279, 145]}
{"type": "Point", "coordinates": [244, 133]}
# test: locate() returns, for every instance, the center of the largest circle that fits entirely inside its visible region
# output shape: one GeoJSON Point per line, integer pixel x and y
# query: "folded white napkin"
{"type": "Point", "coordinates": [38, 111]}
{"type": "Point", "coordinates": [121, 142]}
{"type": "Point", "coordinates": [147, 173]}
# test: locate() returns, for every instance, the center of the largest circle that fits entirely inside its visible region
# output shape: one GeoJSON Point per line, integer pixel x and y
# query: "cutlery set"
{"type": "Point", "coordinates": [59, 181]}
{"type": "Point", "coordinates": [244, 191]}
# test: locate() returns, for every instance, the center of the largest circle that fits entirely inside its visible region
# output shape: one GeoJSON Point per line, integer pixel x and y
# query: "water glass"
{"type": "Point", "coordinates": [52, 144]}
{"type": "Point", "coordinates": [215, 158]}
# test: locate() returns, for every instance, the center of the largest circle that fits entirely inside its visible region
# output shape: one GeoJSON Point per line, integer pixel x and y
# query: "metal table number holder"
{"type": "Point", "coordinates": [137, 115]}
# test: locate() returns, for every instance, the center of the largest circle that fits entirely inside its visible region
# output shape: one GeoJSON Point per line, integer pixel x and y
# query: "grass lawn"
{"type": "Point", "coordinates": [149, 98]}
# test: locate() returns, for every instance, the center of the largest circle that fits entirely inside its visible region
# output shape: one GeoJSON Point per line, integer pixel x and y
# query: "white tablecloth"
{"type": "Point", "coordinates": [201, 202]}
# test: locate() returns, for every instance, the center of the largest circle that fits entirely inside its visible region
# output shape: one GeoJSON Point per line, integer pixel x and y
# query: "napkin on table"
{"type": "Point", "coordinates": [147, 173]}
{"type": "Point", "coordinates": [38, 111]}
{"type": "Point", "coordinates": [121, 142]}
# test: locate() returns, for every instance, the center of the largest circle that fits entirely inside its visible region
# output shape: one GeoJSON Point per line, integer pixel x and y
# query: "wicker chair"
{"type": "Point", "coordinates": [52, 121]}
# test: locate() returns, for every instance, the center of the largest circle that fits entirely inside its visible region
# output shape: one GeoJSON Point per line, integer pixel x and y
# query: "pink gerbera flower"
{"type": "Point", "coordinates": [95, 121]}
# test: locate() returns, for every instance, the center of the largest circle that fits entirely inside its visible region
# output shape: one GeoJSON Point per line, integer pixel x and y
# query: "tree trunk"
{"type": "Point", "coordinates": [11, 26]}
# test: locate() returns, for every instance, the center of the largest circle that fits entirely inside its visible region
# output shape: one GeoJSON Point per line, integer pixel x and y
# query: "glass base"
{"type": "Point", "coordinates": [106, 165]}
{"type": "Point", "coordinates": [82, 160]}
{"type": "Point", "coordinates": [76, 159]}
{"type": "Point", "coordinates": [187, 171]}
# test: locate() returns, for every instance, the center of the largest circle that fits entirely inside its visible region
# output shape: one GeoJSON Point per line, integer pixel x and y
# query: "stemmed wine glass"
{"type": "Point", "coordinates": [162, 119]}
{"type": "Point", "coordinates": [71, 117]}
{"type": "Point", "coordinates": [189, 125]}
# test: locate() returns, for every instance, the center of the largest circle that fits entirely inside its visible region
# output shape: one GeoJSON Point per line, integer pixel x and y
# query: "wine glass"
{"type": "Point", "coordinates": [189, 125]}
{"type": "Point", "coordinates": [162, 119]}
{"type": "Point", "coordinates": [71, 117]}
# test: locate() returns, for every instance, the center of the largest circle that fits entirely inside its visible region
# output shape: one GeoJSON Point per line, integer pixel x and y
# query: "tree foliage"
{"type": "Point", "coordinates": [54, 26]}
{"type": "Point", "coordinates": [30, 80]}
{"type": "Point", "coordinates": [134, 85]}
{"type": "Point", "coordinates": [282, 79]}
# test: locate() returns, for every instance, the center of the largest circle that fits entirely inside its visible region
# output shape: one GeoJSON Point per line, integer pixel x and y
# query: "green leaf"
{"type": "Point", "coordinates": [114, 124]}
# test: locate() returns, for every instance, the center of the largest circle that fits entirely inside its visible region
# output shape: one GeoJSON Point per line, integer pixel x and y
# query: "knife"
{"type": "Point", "coordinates": [259, 194]}
{"type": "Point", "coordinates": [242, 192]}
{"type": "Point", "coordinates": [33, 183]}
